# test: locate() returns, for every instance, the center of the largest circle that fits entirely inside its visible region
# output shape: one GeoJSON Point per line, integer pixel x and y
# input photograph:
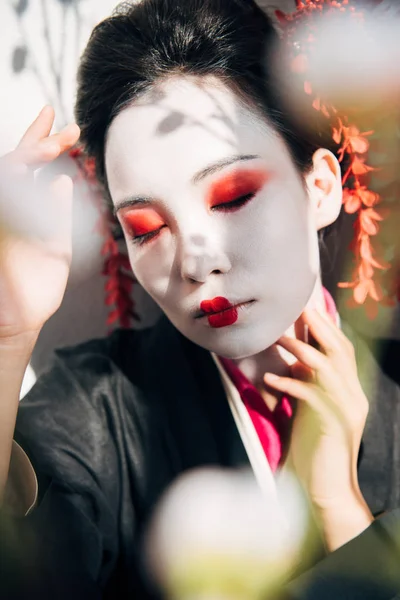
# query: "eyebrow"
{"type": "Point", "coordinates": [130, 201]}
{"type": "Point", "coordinates": [221, 164]}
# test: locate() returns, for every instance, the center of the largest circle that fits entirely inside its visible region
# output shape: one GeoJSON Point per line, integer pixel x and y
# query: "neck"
{"type": "Point", "coordinates": [275, 359]}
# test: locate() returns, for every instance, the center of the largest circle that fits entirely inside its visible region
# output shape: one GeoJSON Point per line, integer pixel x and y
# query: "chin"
{"type": "Point", "coordinates": [252, 336]}
{"type": "Point", "coordinates": [245, 347]}
{"type": "Point", "coordinates": [238, 342]}
{"type": "Point", "coordinates": [248, 339]}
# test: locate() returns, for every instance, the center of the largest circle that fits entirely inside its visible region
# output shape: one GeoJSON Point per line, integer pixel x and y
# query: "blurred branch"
{"type": "Point", "coordinates": [19, 9]}
{"type": "Point", "coordinates": [55, 72]}
{"type": "Point", "coordinates": [62, 48]}
{"type": "Point", "coordinates": [24, 57]}
{"type": "Point", "coordinates": [78, 21]}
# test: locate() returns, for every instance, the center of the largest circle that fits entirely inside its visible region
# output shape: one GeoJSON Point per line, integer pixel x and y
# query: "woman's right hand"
{"type": "Point", "coordinates": [35, 229]}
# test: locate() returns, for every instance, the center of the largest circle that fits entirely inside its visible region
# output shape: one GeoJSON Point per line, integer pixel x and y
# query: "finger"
{"type": "Point", "coordinates": [308, 393]}
{"type": "Point", "coordinates": [306, 354]}
{"type": "Point", "coordinates": [40, 128]}
{"type": "Point", "coordinates": [300, 390]}
{"type": "Point", "coordinates": [36, 155]}
{"type": "Point", "coordinates": [335, 327]}
{"type": "Point", "coordinates": [48, 149]}
{"type": "Point", "coordinates": [325, 368]}
{"type": "Point", "coordinates": [300, 371]}
{"type": "Point", "coordinates": [67, 137]}
{"type": "Point", "coordinates": [326, 333]}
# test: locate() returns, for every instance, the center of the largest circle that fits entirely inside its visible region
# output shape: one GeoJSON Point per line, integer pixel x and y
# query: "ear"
{"type": "Point", "coordinates": [324, 185]}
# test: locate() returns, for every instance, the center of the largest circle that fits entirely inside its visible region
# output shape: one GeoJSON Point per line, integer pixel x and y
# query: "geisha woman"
{"type": "Point", "coordinates": [221, 200]}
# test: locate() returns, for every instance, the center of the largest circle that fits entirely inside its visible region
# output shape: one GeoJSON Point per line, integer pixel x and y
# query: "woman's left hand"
{"type": "Point", "coordinates": [329, 421]}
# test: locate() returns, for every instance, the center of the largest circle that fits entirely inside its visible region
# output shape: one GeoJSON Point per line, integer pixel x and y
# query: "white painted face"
{"type": "Point", "coordinates": [212, 206]}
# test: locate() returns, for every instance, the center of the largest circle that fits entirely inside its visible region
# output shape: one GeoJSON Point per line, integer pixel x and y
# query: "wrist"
{"type": "Point", "coordinates": [16, 352]}
{"type": "Point", "coordinates": [343, 520]}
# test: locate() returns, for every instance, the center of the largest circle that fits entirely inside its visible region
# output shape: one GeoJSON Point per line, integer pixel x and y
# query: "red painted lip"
{"type": "Point", "coordinates": [219, 311]}
{"type": "Point", "coordinates": [216, 305]}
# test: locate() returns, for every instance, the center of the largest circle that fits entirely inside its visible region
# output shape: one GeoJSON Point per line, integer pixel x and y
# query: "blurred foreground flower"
{"type": "Point", "coordinates": [215, 535]}
{"type": "Point", "coordinates": [353, 60]}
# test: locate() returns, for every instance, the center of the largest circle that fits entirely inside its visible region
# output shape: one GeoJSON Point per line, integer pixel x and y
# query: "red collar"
{"type": "Point", "coordinates": [272, 427]}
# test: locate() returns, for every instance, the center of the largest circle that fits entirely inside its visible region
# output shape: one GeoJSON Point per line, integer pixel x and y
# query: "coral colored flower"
{"type": "Point", "coordinates": [307, 88]}
{"type": "Point", "coordinates": [365, 270]}
{"type": "Point", "coordinates": [354, 199]}
{"type": "Point", "coordinates": [337, 133]}
{"type": "Point", "coordinates": [361, 290]}
{"type": "Point", "coordinates": [351, 141]}
{"type": "Point", "coordinates": [368, 218]}
{"type": "Point", "coordinates": [368, 198]}
{"type": "Point", "coordinates": [359, 167]}
{"type": "Point", "coordinates": [365, 288]}
{"type": "Point", "coordinates": [325, 111]}
{"type": "Point", "coordinates": [366, 253]}
{"type": "Point", "coordinates": [365, 248]}
{"type": "Point", "coordinates": [356, 141]}
{"type": "Point", "coordinates": [316, 104]}
{"type": "Point", "coordinates": [381, 264]}
{"type": "Point", "coordinates": [375, 291]}
{"type": "Point", "coordinates": [370, 306]}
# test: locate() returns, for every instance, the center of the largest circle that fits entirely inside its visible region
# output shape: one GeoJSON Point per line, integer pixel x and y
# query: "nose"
{"type": "Point", "coordinates": [200, 258]}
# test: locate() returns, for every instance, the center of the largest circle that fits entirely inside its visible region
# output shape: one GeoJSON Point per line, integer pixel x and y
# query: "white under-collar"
{"type": "Point", "coordinates": [248, 434]}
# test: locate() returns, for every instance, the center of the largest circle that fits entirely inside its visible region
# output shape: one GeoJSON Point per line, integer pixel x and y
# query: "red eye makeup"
{"type": "Point", "coordinates": [228, 194]}
{"type": "Point", "coordinates": [236, 189]}
{"type": "Point", "coordinates": [142, 224]}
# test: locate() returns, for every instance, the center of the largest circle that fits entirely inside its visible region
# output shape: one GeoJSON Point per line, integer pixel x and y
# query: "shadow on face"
{"type": "Point", "coordinates": [212, 206]}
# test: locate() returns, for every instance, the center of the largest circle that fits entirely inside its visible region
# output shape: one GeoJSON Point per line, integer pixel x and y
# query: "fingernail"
{"type": "Point", "coordinates": [69, 126]}
{"type": "Point", "coordinates": [271, 376]}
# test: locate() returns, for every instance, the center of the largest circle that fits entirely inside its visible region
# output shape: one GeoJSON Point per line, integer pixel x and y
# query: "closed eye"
{"type": "Point", "coordinates": [146, 237]}
{"type": "Point", "coordinates": [235, 204]}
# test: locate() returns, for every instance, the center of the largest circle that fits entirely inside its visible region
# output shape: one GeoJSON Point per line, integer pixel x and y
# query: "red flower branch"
{"type": "Point", "coordinates": [116, 269]}
{"type": "Point", "coordinates": [354, 145]}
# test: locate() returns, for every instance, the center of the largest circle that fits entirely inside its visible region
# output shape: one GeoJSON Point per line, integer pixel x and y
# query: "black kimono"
{"type": "Point", "coordinates": [108, 428]}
